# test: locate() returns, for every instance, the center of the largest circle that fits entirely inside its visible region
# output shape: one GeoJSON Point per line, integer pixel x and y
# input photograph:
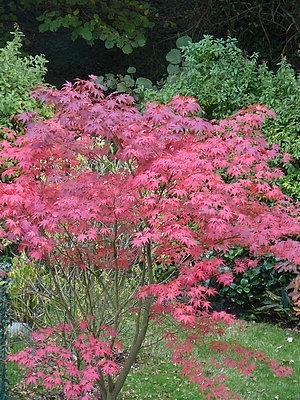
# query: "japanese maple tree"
{"type": "Point", "coordinates": [100, 194]}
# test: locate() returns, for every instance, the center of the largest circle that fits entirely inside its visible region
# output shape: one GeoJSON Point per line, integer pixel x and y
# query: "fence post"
{"type": "Point", "coordinates": [4, 321]}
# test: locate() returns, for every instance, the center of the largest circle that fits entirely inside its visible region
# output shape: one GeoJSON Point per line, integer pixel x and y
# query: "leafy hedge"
{"type": "Point", "coordinates": [19, 76]}
{"type": "Point", "coordinates": [225, 79]}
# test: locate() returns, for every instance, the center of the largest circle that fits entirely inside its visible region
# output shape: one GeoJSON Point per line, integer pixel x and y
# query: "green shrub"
{"type": "Point", "coordinates": [224, 79]}
{"type": "Point", "coordinates": [126, 84]}
{"type": "Point", "coordinates": [259, 293]}
{"type": "Point", "coordinates": [214, 71]}
{"type": "Point", "coordinates": [19, 76]}
{"type": "Point", "coordinates": [281, 92]}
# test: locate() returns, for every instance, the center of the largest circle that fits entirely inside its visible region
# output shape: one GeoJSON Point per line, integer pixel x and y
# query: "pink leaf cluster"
{"type": "Point", "coordinates": [100, 184]}
{"type": "Point", "coordinates": [76, 368]}
{"type": "Point", "coordinates": [234, 356]}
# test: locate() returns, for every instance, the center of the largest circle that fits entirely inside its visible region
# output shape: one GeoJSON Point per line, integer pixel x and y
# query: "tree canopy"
{"type": "Point", "coordinates": [100, 193]}
{"type": "Point", "coordinates": [271, 27]}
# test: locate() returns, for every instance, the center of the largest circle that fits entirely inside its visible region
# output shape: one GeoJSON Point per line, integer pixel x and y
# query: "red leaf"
{"type": "Point", "coordinates": [108, 191]}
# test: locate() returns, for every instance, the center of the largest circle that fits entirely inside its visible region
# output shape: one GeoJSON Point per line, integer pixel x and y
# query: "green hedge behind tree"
{"type": "Point", "coordinates": [224, 79]}
{"type": "Point", "coordinates": [19, 76]}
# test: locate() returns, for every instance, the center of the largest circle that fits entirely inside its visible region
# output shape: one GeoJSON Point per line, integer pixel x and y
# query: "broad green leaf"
{"type": "Point", "coordinates": [173, 69]}
{"type": "Point", "coordinates": [128, 80]}
{"type": "Point", "coordinates": [141, 41]}
{"type": "Point", "coordinates": [86, 34]}
{"type": "Point", "coordinates": [131, 70]}
{"type": "Point", "coordinates": [109, 44]}
{"type": "Point", "coordinates": [144, 82]}
{"type": "Point", "coordinates": [43, 28]}
{"type": "Point", "coordinates": [183, 41]}
{"type": "Point", "coordinates": [127, 49]}
{"type": "Point", "coordinates": [172, 79]}
{"type": "Point", "coordinates": [244, 282]}
{"type": "Point", "coordinates": [174, 56]}
{"type": "Point", "coordinates": [122, 87]}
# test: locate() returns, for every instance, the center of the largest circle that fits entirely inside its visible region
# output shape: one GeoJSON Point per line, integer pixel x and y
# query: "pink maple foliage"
{"type": "Point", "coordinates": [56, 366]}
{"type": "Point", "coordinates": [103, 187]}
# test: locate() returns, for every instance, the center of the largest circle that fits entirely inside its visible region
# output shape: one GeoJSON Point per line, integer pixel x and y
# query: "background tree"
{"type": "Point", "coordinates": [100, 194]}
{"type": "Point", "coordinates": [270, 28]}
{"type": "Point", "coordinates": [116, 23]}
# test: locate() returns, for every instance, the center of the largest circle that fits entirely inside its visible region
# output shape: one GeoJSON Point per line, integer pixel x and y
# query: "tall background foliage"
{"type": "Point", "coordinates": [19, 76]}
{"type": "Point", "coordinates": [223, 79]}
{"type": "Point", "coordinates": [116, 23]}
{"type": "Point", "coordinates": [268, 27]}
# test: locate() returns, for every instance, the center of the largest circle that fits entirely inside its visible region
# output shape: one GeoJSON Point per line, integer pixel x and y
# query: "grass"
{"type": "Point", "coordinates": [155, 377]}
{"type": "Point", "coordinates": [14, 374]}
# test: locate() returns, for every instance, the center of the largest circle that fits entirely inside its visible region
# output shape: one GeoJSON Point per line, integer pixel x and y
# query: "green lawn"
{"type": "Point", "coordinates": [155, 377]}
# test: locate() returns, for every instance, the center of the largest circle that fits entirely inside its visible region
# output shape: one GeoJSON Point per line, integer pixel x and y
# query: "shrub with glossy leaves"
{"type": "Point", "coordinates": [106, 192]}
{"type": "Point", "coordinates": [258, 293]}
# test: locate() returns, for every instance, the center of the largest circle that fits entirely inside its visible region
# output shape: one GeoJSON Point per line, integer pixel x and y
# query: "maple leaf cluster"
{"type": "Point", "coordinates": [233, 356]}
{"type": "Point", "coordinates": [75, 369]}
{"type": "Point", "coordinates": [102, 185]}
